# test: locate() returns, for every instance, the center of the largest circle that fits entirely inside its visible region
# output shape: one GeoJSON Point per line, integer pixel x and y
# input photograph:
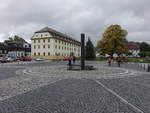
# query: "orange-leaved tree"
{"type": "Point", "coordinates": [113, 41]}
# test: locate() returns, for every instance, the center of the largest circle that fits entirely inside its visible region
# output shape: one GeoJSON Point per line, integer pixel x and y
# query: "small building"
{"type": "Point", "coordinates": [19, 49]}
{"type": "Point", "coordinates": [51, 44]}
{"type": "Point", "coordinates": [3, 49]}
{"type": "Point", "coordinates": [133, 48]}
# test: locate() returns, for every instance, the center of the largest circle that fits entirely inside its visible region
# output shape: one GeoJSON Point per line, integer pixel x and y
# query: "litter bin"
{"type": "Point", "coordinates": [148, 69]}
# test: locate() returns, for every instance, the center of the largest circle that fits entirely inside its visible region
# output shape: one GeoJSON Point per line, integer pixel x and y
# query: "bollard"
{"type": "Point", "coordinates": [148, 69]}
{"type": "Point", "coordinates": [69, 64]}
{"type": "Point", "coordinates": [142, 66]}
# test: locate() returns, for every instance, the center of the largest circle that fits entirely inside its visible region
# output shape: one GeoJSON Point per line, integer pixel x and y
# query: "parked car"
{"type": "Point", "coordinates": [27, 59]}
{"type": "Point", "coordinates": [9, 59]}
{"type": "Point", "coordinates": [39, 59]}
{"type": "Point", "coordinates": [67, 58]}
{"type": "Point", "coordinates": [3, 60]}
{"type": "Point", "coordinates": [18, 59]}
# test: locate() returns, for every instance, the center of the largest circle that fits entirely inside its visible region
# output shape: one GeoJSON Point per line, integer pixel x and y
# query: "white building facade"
{"type": "Point", "coordinates": [50, 44]}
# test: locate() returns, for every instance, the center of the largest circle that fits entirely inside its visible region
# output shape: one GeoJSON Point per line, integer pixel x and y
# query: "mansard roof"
{"type": "Point", "coordinates": [56, 34]}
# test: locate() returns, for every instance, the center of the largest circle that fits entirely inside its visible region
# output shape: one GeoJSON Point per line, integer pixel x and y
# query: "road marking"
{"type": "Point", "coordinates": [122, 99]}
{"type": "Point", "coordinates": [20, 93]}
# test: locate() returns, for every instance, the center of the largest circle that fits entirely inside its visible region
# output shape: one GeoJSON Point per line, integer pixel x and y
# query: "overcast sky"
{"type": "Point", "coordinates": [24, 17]}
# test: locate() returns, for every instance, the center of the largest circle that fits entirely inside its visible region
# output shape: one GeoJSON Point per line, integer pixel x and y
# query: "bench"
{"type": "Point", "coordinates": [78, 67]}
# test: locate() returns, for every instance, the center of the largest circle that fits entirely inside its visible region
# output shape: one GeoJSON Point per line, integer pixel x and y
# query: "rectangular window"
{"type": "Point", "coordinates": [39, 46]}
{"type": "Point", "coordinates": [48, 46]}
{"type": "Point", "coordinates": [43, 40]}
{"type": "Point", "coordinates": [56, 41]}
{"type": "Point", "coordinates": [39, 41]}
{"type": "Point", "coordinates": [48, 53]}
{"type": "Point", "coordinates": [48, 40]}
{"type": "Point", "coordinates": [34, 41]}
{"type": "Point", "coordinates": [34, 46]}
{"type": "Point", "coordinates": [44, 53]}
{"type": "Point", "coordinates": [43, 46]}
{"type": "Point", "coordinates": [55, 46]}
{"type": "Point", "coordinates": [39, 54]}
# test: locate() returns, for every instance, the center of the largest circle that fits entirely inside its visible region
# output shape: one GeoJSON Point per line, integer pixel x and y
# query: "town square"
{"type": "Point", "coordinates": [47, 87]}
{"type": "Point", "coordinates": [79, 56]}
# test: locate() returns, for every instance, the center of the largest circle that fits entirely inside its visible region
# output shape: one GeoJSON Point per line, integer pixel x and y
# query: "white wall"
{"type": "Point", "coordinates": [52, 44]}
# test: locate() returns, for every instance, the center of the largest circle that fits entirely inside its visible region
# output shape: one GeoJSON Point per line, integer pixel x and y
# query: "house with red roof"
{"type": "Point", "coordinates": [133, 48]}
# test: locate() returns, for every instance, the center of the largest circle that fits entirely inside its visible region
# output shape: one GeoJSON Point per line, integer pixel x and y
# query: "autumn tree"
{"type": "Point", "coordinates": [90, 52]}
{"type": "Point", "coordinates": [113, 41]}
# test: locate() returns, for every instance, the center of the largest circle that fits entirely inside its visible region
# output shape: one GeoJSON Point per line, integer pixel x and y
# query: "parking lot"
{"type": "Point", "coordinates": [116, 91]}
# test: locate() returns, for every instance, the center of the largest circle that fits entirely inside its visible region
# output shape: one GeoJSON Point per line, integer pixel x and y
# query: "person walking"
{"type": "Point", "coordinates": [109, 60]}
{"type": "Point", "coordinates": [119, 61]}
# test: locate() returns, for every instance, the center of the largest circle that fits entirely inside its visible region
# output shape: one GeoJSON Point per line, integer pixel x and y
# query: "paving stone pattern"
{"type": "Point", "coordinates": [48, 87]}
{"type": "Point", "coordinates": [66, 96]}
{"type": "Point", "coordinates": [133, 92]}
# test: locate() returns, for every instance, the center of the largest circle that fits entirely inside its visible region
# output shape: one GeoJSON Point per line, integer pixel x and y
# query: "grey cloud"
{"type": "Point", "coordinates": [24, 17]}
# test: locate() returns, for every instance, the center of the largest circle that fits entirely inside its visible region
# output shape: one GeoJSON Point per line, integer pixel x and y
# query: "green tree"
{"type": "Point", "coordinates": [144, 47]}
{"type": "Point", "coordinates": [15, 39]}
{"type": "Point", "coordinates": [90, 51]}
{"type": "Point", "coordinates": [113, 41]}
{"type": "Point", "coordinates": [144, 53]}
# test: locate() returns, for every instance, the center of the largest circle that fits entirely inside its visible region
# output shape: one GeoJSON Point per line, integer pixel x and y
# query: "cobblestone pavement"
{"type": "Point", "coordinates": [47, 87]}
{"type": "Point", "coordinates": [66, 96]}
{"type": "Point", "coordinates": [8, 72]}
